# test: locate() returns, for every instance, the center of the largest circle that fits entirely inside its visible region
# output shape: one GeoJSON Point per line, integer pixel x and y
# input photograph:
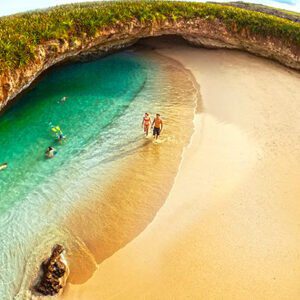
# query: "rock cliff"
{"type": "Point", "coordinates": [199, 32]}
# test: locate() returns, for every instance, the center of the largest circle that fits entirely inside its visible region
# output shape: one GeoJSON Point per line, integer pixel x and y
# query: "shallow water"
{"type": "Point", "coordinates": [102, 169]}
{"type": "Point", "coordinates": [97, 93]}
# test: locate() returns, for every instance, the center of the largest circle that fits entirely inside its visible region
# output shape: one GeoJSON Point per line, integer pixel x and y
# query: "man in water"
{"type": "Point", "coordinates": [146, 123]}
{"type": "Point", "coordinates": [58, 133]}
{"type": "Point", "coordinates": [158, 126]}
{"type": "Point", "coordinates": [60, 137]}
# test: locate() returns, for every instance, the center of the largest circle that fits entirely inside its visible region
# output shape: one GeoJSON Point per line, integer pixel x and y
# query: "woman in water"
{"type": "Point", "coordinates": [146, 123]}
{"type": "Point", "coordinates": [50, 152]}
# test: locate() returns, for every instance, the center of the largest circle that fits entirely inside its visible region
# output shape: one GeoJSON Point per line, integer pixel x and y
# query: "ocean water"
{"type": "Point", "coordinates": [90, 196]}
{"type": "Point", "coordinates": [97, 93]}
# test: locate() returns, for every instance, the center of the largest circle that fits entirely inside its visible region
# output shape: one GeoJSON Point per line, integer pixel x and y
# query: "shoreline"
{"type": "Point", "coordinates": [126, 186]}
{"type": "Point", "coordinates": [113, 210]}
{"type": "Point", "coordinates": [228, 228]}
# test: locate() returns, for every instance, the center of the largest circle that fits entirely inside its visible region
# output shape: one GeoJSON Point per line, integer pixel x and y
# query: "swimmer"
{"type": "Point", "coordinates": [157, 126]}
{"type": "Point", "coordinates": [50, 152]}
{"type": "Point", "coordinates": [58, 133]}
{"type": "Point", "coordinates": [146, 123]}
{"type": "Point", "coordinates": [3, 166]}
{"type": "Point", "coordinates": [60, 137]}
{"type": "Point", "coordinates": [63, 99]}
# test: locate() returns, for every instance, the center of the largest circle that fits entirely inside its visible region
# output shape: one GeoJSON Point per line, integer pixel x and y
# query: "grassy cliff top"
{"type": "Point", "coordinates": [20, 34]}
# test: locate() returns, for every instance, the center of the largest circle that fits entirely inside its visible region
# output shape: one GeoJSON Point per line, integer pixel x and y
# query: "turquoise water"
{"type": "Point", "coordinates": [47, 201]}
{"type": "Point", "coordinates": [97, 93]}
{"type": "Point", "coordinates": [34, 190]}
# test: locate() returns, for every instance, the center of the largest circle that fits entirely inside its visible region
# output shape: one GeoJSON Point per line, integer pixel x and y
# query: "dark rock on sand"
{"type": "Point", "coordinates": [53, 270]}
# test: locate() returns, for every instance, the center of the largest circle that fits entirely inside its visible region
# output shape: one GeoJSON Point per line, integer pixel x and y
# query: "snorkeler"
{"type": "Point", "coordinates": [50, 152]}
{"type": "Point", "coordinates": [146, 123]}
{"type": "Point", "coordinates": [60, 137]}
{"type": "Point", "coordinates": [58, 133]}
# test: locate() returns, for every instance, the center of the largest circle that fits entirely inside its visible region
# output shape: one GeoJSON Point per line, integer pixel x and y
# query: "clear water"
{"type": "Point", "coordinates": [31, 187]}
{"type": "Point", "coordinates": [94, 196]}
{"type": "Point", "coordinates": [97, 93]}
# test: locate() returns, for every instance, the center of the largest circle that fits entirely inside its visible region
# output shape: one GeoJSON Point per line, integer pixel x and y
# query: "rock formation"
{"type": "Point", "coordinates": [53, 271]}
{"type": "Point", "coordinates": [199, 32]}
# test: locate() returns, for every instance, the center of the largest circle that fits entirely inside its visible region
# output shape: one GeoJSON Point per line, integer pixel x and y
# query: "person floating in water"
{"type": "Point", "coordinates": [3, 166]}
{"type": "Point", "coordinates": [58, 132]}
{"type": "Point", "coordinates": [146, 123]}
{"type": "Point", "coordinates": [50, 152]}
{"type": "Point", "coordinates": [60, 137]}
{"type": "Point", "coordinates": [157, 126]}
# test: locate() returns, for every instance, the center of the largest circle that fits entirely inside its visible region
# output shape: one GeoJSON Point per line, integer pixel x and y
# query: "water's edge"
{"type": "Point", "coordinates": [84, 244]}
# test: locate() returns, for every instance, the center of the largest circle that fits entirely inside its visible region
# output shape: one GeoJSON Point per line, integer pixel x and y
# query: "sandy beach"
{"type": "Point", "coordinates": [230, 227]}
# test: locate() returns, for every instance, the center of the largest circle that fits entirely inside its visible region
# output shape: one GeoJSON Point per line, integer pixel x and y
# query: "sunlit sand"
{"type": "Point", "coordinates": [230, 227]}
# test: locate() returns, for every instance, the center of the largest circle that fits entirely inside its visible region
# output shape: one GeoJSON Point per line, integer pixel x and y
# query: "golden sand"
{"type": "Point", "coordinates": [230, 228]}
{"type": "Point", "coordinates": [115, 209]}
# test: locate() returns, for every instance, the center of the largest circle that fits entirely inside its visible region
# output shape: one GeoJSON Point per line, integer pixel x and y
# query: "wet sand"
{"type": "Point", "coordinates": [123, 195]}
{"type": "Point", "coordinates": [116, 196]}
{"type": "Point", "coordinates": [230, 228]}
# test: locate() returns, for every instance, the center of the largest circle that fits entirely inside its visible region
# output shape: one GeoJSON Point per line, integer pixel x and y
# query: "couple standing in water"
{"type": "Point", "coordinates": [157, 125]}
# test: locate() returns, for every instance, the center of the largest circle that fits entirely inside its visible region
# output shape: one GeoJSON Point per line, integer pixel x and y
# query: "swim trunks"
{"type": "Point", "coordinates": [156, 131]}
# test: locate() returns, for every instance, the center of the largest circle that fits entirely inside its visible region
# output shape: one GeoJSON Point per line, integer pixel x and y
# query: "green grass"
{"type": "Point", "coordinates": [21, 34]}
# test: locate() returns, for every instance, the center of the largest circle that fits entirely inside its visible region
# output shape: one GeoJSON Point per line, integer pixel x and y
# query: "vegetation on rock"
{"type": "Point", "coordinates": [21, 34]}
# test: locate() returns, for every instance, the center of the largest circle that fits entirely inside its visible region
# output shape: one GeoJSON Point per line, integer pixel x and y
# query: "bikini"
{"type": "Point", "coordinates": [146, 121]}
